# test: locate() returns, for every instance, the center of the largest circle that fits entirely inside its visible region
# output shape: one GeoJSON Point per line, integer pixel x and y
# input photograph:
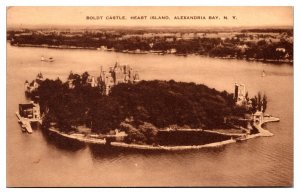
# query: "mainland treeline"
{"type": "Point", "coordinates": [241, 46]}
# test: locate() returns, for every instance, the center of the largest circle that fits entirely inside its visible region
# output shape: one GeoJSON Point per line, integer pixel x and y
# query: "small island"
{"type": "Point", "coordinates": [118, 109]}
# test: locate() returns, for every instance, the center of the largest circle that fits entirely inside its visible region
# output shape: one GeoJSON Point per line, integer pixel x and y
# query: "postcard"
{"type": "Point", "coordinates": [191, 96]}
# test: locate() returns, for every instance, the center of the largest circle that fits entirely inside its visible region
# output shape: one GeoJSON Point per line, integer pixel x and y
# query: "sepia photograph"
{"type": "Point", "coordinates": [149, 96]}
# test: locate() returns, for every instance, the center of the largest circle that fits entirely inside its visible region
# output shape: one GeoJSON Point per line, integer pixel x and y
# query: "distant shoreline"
{"type": "Point", "coordinates": [161, 53]}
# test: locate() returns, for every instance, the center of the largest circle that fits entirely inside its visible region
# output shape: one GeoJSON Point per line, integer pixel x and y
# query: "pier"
{"type": "Point", "coordinates": [25, 123]}
{"type": "Point", "coordinates": [262, 131]}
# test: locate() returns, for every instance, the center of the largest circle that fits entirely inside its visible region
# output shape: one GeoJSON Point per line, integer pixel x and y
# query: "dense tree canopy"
{"type": "Point", "coordinates": [156, 103]}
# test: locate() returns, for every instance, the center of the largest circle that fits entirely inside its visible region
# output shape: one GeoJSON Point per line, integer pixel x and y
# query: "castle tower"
{"type": "Point", "coordinates": [239, 93]}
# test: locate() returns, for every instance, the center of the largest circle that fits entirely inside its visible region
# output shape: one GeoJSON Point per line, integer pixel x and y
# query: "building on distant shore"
{"type": "Point", "coordinates": [116, 75]}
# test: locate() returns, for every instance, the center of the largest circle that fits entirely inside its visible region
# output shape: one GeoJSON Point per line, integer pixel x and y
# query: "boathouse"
{"type": "Point", "coordinates": [30, 110]}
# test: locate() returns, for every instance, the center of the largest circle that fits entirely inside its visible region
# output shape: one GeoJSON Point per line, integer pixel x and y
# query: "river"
{"type": "Point", "coordinates": [35, 160]}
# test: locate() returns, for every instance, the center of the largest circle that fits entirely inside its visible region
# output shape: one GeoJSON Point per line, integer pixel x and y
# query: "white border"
{"type": "Point", "coordinates": [144, 3]}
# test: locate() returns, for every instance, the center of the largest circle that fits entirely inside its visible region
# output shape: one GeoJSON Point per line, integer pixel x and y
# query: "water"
{"type": "Point", "coordinates": [37, 160]}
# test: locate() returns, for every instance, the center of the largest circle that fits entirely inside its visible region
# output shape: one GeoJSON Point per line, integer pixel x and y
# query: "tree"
{"type": "Point", "coordinates": [149, 104]}
{"type": "Point", "coordinates": [259, 103]}
{"type": "Point", "coordinates": [84, 78]}
{"type": "Point", "coordinates": [149, 131]}
{"type": "Point", "coordinates": [264, 103]}
{"type": "Point", "coordinates": [76, 80]}
{"type": "Point", "coordinates": [133, 134]}
{"type": "Point", "coordinates": [247, 96]}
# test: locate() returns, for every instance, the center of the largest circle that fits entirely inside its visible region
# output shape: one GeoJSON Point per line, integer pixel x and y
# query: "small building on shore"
{"type": "Point", "coordinates": [258, 117]}
{"type": "Point", "coordinates": [30, 87]}
{"type": "Point", "coordinates": [30, 111]}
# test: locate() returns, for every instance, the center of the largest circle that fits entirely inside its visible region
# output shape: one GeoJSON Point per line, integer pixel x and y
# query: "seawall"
{"type": "Point", "coordinates": [91, 140]}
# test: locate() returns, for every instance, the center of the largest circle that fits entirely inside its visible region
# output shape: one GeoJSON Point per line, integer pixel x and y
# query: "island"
{"type": "Point", "coordinates": [118, 109]}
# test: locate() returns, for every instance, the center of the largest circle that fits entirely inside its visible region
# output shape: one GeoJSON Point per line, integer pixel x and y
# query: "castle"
{"type": "Point", "coordinates": [241, 99]}
{"type": "Point", "coordinates": [116, 75]}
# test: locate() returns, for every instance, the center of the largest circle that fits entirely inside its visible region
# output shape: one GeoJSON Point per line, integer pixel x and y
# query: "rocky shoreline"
{"type": "Point", "coordinates": [102, 141]}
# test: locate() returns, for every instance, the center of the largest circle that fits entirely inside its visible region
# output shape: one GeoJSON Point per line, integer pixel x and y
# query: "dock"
{"type": "Point", "coordinates": [25, 123]}
{"type": "Point", "coordinates": [263, 132]}
{"type": "Point", "coordinates": [28, 113]}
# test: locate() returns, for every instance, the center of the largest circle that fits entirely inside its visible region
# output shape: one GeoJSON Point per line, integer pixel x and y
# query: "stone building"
{"type": "Point", "coordinates": [116, 75]}
{"type": "Point", "coordinates": [239, 94]}
{"type": "Point", "coordinates": [92, 81]}
{"type": "Point", "coordinates": [258, 117]}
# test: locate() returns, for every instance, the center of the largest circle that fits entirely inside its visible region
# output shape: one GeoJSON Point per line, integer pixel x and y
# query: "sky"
{"type": "Point", "coordinates": [76, 16]}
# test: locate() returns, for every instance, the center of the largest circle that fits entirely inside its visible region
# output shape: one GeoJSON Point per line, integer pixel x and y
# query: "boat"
{"type": "Point", "coordinates": [263, 74]}
{"type": "Point", "coordinates": [50, 59]}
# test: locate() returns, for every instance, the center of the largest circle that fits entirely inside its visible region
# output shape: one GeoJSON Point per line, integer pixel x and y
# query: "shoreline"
{"type": "Point", "coordinates": [262, 133]}
{"type": "Point", "coordinates": [80, 137]}
{"type": "Point", "coordinates": [291, 62]}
